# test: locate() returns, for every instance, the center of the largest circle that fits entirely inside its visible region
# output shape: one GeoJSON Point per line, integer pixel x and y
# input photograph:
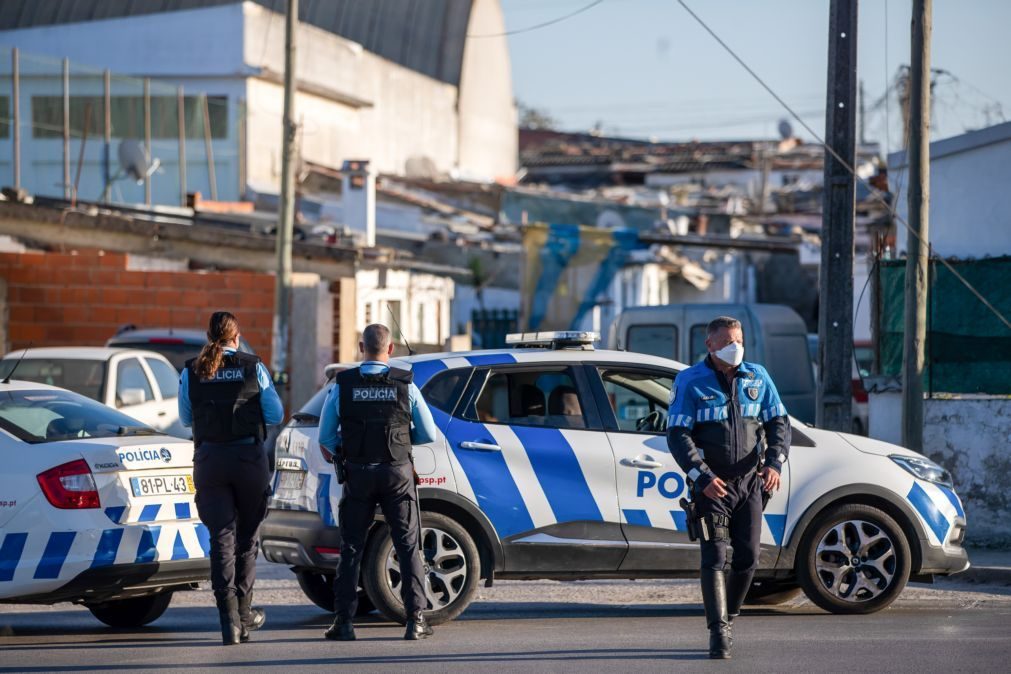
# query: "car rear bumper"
{"type": "Point", "coordinates": [296, 537]}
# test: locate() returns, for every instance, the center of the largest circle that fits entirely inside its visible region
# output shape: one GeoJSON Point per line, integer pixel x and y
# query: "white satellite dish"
{"type": "Point", "coordinates": [134, 160]}
{"type": "Point", "coordinates": [785, 129]}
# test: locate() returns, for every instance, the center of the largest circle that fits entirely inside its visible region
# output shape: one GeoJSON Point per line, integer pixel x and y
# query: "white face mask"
{"type": "Point", "coordinates": [732, 353]}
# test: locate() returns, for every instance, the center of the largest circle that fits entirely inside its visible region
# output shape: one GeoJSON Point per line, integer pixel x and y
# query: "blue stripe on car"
{"type": "Point", "coordinates": [424, 370]}
{"type": "Point", "coordinates": [491, 359]}
{"type": "Point", "coordinates": [10, 554]}
{"type": "Point", "coordinates": [115, 513]}
{"type": "Point", "coordinates": [637, 517]}
{"type": "Point", "coordinates": [108, 546]}
{"type": "Point", "coordinates": [57, 549]}
{"type": "Point", "coordinates": [680, 519]}
{"type": "Point", "coordinates": [149, 513]}
{"type": "Point", "coordinates": [557, 469]}
{"type": "Point", "coordinates": [935, 519]}
{"type": "Point", "coordinates": [323, 500]}
{"type": "Point", "coordinates": [204, 537]}
{"type": "Point", "coordinates": [148, 546]}
{"type": "Point", "coordinates": [182, 511]}
{"type": "Point", "coordinates": [179, 548]}
{"type": "Point", "coordinates": [954, 500]}
{"type": "Point", "coordinates": [777, 527]}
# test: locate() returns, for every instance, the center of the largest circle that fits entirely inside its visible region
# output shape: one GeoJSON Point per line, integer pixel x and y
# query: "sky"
{"type": "Point", "coordinates": [645, 68]}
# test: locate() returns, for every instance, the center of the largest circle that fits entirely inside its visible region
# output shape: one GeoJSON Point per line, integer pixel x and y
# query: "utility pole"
{"type": "Point", "coordinates": [835, 314]}
{"type": "Point", "coordinates": [917, 250]}
{"type": "Point", "coordinates": [286, 215]}
{"type": "Point", "coordinates": [862, 132]}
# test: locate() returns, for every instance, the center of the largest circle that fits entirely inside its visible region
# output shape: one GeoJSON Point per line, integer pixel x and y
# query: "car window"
{"type": "Point", "coordinates": [130, 375]}
{"type": "Point", "coordinates": [165, 376]}
{"type": "Point", "coordinates": [539, 398]}
{"type": "Point", "coordinates": [655, 340]}
{"type": "Point", "coordinates": [86, 377]}
{"type": "Point", "coordinates": [176, 353]}
{"type": "Point", "coordinates": [38, 416]}
{"type": "Point", "coordinates": [788, 364]}
{"type": "Point", "coordinates": [638, 398]}
{"type": "Point", "coordinates": [443, 390]}
{"type": "Point", "coordinates": [314, 407]}
{"type": "Point", "coordinates": [697, 342]}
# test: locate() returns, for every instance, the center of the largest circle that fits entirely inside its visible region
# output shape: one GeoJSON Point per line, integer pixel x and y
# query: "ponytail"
{"type": "Point", "coordinates": [222, 329]}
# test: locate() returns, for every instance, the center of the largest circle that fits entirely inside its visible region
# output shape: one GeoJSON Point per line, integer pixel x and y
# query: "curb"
{"type": "Point", "coordinates": [990, 575]}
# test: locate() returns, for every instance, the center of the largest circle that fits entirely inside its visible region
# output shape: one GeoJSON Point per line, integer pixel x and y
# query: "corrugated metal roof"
{"type": "Point", "coordinates": [424, 35]}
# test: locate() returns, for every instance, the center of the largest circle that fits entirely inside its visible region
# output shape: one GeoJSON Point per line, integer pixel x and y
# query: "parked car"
{"type": "Point", "coordinates": [178, 346]}
{"type": "Point", "coordinates": [774, 335]}
{"type": "Point", "coordinates": [551, 461]}
{"type": "Point", "coordinates": [95, 508]}
{"type": "Point", "coordinates": [141, 384]}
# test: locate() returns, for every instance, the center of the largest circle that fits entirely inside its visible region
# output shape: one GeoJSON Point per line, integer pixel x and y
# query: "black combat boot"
{"type": "Point", "coordinates": [341, 630]}
{"type": "Point", "coordinates": [738, 584]}
{"type": "Point", "coordinates": [417, 627]}
{"type": "Point", "coordinates": [231, 623]}
{"type": "Point", "coordinates": [714, 600]}
{"type": "Point", "coordinates": [253, 618]}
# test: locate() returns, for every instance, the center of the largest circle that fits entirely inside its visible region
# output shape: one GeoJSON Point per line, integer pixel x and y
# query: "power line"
{"type": "Point", "coordinates": [843, 162]}
{"type": "Point", "coordinates": [541, 25]}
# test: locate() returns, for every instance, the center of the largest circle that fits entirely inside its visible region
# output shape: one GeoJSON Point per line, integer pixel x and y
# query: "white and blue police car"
{"type": "Point", "coordinates": [95, 508]}
{"type": "Point", "coordinates": [551, 461]}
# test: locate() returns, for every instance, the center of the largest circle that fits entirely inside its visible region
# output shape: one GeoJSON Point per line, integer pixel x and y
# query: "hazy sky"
{"type": "Point", "coordinates": [645, 68]}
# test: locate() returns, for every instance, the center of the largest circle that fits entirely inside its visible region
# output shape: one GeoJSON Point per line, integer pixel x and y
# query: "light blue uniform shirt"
{"type": "Point", "coordinates": [422, 426]}
{"type": "Point", "coordinates": [270, 402]}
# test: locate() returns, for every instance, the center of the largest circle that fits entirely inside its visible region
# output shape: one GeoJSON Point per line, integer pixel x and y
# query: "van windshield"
{"type": "Point", "coordinates": [86, 377]}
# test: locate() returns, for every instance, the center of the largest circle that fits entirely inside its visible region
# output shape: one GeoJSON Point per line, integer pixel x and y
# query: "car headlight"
{"type": "Point", "coordinates": [925, 469]}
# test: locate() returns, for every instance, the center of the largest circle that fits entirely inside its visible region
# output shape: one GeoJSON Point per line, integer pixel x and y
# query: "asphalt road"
{"type": "Point", "coordinates": [535, 627]}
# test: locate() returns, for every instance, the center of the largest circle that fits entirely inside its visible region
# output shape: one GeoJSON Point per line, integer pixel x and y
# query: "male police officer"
{"type": "Point", "coordinates": [721, 410]}
{"type": "Point", "coordinates": [375, 405]}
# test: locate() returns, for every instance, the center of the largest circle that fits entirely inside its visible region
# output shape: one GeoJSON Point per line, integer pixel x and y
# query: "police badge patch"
{"type": "Point", "coordinates": [672, 396]}
{"type": "Point", "coordinates": [753, 392]}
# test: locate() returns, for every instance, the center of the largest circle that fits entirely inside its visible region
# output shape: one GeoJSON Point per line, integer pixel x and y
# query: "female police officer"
{"type": "Point", "coordinates": [228, 398]}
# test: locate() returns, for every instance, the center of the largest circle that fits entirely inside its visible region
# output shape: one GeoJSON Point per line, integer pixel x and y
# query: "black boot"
{"type": "Point", "coordinates": [738, 584]}
{"type": "Point", "coordinates": [341, 630]}
{"type": "Point", "coordinates": [417, 627]}
{"type": "Point", "coordinates": [231, 624]}
{"type": "Point", "coordinates": [253, 618]}
{"type": "Point", "coordinates": [714, 600]}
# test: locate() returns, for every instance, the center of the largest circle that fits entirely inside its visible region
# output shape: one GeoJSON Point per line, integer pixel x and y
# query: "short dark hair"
{"type": "Point", "coordinates": [722, 322]}
{"type": "Point", "coordinates": [376, 338]}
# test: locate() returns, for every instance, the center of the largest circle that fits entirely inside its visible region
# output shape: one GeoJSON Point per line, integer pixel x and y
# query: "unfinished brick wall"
{"type": "Point", "coordinates": [81, 299]}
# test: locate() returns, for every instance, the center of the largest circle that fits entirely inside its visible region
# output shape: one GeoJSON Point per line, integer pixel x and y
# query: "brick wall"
{"type": "Point", "coordinates": [80, 299]}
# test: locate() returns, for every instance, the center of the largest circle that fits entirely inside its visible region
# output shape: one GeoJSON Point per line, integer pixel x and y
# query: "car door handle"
{"type": "Point", "coordinates": [642, 463]}
{"type": "Point", "coordinates": [162, 413]}
{"type": "Point", "coordinates": [482, 446]}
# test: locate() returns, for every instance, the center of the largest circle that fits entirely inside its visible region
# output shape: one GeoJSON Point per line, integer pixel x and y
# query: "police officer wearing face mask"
{"type": "Point", "coordinates": [228, 399]}
{"type": "Point", "coordinates": [722, 411]}
{"type": "Point", "coordinates": [375, 405]}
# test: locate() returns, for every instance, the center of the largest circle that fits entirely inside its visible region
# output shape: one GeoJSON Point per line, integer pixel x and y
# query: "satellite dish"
{"type": "Point", "coordinates": [785, 129]}
{"type": "Point", "coordinates": [134, 160]}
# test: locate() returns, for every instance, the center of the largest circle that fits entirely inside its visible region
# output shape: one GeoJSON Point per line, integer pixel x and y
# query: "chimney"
{"type": "Point", "coordinates": [358, 199]}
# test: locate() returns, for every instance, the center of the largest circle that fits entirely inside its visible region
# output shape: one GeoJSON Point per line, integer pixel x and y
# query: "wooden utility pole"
{"type": "Point", "coordinates": [917, 250]}
{"type": "Point", "coordinates": [286, 214]}
{"type": "Point", "coordinates": [835, 314]}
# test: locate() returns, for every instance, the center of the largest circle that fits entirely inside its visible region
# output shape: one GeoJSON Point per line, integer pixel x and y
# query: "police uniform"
{"type": "Point", "coordinates": [375, 406]}
{"type": "Point", "coordinates": [717, 428]}
{"type": "Point", "coordinates": [229, 413]}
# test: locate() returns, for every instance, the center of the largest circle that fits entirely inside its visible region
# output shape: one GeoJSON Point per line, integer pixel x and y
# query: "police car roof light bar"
{"type": "Point", "coordinates": [557, 339]}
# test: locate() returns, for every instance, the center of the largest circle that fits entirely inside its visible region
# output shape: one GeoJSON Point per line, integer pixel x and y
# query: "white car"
{"type": "Point", "coordinates": [94, 509]}
{"type": "Point", "coordinates": [520, 484]}
{"type": "Point", "coordinates": [141, 384]}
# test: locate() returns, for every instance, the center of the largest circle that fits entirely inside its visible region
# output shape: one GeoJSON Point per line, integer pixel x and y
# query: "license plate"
{"type": "Point", "coordinates": [162, 485]}
{"type": "Point", "coordinates": [290, 479]}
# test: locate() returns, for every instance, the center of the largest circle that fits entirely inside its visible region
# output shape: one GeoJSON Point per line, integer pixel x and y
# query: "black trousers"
{"type": "Point", "coordinates": [391, 487]}
{"type": "Point", "coordinates": [743, 505]}
{"type": "Point", "coordinates": [233, 486]}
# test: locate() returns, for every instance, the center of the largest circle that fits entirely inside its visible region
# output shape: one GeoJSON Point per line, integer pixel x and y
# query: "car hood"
{"type": "Point", "coordinates": [876, 447]}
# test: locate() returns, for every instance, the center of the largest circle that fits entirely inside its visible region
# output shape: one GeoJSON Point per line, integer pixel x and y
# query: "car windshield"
{"type": "Point", "coordinates": [86, 377]}
{"type": "Point", "coordinates": [315, 405]}
{"type": "Point", "coordinates": [38, 416]}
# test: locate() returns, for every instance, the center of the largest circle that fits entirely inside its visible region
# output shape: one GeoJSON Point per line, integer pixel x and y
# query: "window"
{"type": "Point", "coordinates": [86, 377]}
{"type": "Point", "coordinates": [655, 340]}
{"type": "Point", "coordinates": [130, 376]}
{"type": "Point", "coordinates": [127, 116]}
{"type": "Point", "coordinates": [166, 377]}
{"type": "Point", "coordinates": [697, 342]}
{"type": "Point", "coordinates": [639, 399]}
{"type": "Point", "coordinates": [788, 365]}
{"type": "Point", "coordinates": [530, 399]}
{"type": "Point", "coordinates": [443, 390]}
{"type": "Point", "coordinates": [393, 309]}
{"type": "Point", "coordinates": [49, 416]}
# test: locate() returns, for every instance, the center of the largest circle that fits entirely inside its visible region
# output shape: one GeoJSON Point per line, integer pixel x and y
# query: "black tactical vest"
{"type": "Point", "coordinates": [227, 408]}
{"type": "Point", "coordinates": [375, 415]}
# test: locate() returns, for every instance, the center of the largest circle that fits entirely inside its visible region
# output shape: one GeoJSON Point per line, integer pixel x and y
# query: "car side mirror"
{"type": "Point", "coordinates": [132, 396]}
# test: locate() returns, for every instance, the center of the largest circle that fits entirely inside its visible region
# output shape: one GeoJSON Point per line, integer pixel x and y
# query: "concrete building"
{"type": "Point", "coordinates": [398, 84]}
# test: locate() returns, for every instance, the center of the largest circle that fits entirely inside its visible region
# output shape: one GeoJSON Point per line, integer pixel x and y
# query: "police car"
{"type": "Point", "coordinates": [95, 508]}
{"type": "Point", "coordinates": [551, 462]}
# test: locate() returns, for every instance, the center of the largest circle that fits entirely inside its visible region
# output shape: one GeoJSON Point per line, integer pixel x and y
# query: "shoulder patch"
{"type": "Point", "coordinates": [673, 395]}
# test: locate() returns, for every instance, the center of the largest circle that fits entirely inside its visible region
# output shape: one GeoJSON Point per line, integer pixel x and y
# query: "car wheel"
{"type": "Point", "coordinates": [770, 593]}
{"type": "Point", "coordinates": [853, 559]}
{"type": "Point", "coordinates": [135, 612]}
{"type": "Point", "coordinates": [452, 562]}
{"type": "Point", "coordinates": [318, 587]}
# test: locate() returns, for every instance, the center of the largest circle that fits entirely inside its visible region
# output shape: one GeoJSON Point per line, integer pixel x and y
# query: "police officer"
{"type": "Point", "coordinates": [228, 399]}
{"type": "Point", "coordinates": [375, 405]}
{"type": "Point", "coordinates": [722, 411]}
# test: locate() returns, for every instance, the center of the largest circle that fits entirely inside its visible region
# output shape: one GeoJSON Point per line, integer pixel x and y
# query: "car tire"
{"type": "Point", "coordinates": [771, 593]}
{"type": "Point", "coordinates": [134, 612]}
{"type": "Point", "coordinates": [318, 588]}
{"type": "Point", "coordinates": [853, 559]}
{"type": "Point", "coordinates": [453, 575]}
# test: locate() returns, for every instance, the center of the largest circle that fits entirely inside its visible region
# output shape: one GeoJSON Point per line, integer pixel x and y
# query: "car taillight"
{"type": "Point", "coordinates": [859, 392]}
{"type": "Point", "coordinates": [70, 486]}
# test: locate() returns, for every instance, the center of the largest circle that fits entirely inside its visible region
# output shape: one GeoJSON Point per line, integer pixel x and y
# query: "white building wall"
{"type": "Point", "coordinates": [425, 303]}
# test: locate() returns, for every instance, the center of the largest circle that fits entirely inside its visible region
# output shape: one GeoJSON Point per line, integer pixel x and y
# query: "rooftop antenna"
{"type": "Point", "coordinates": [7, 379]}
{"type": "Point", "coordinates": [410, 351]}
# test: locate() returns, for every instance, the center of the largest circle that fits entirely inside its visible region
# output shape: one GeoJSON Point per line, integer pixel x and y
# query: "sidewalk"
{"type": "Point", "coordinates": [987, 566]}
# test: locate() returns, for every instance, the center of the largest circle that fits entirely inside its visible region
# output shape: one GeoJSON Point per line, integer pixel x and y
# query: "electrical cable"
{"type": "Point", "coordinates": [873, 193]}
{"type": "Point", "coordinates": [540, 25]}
